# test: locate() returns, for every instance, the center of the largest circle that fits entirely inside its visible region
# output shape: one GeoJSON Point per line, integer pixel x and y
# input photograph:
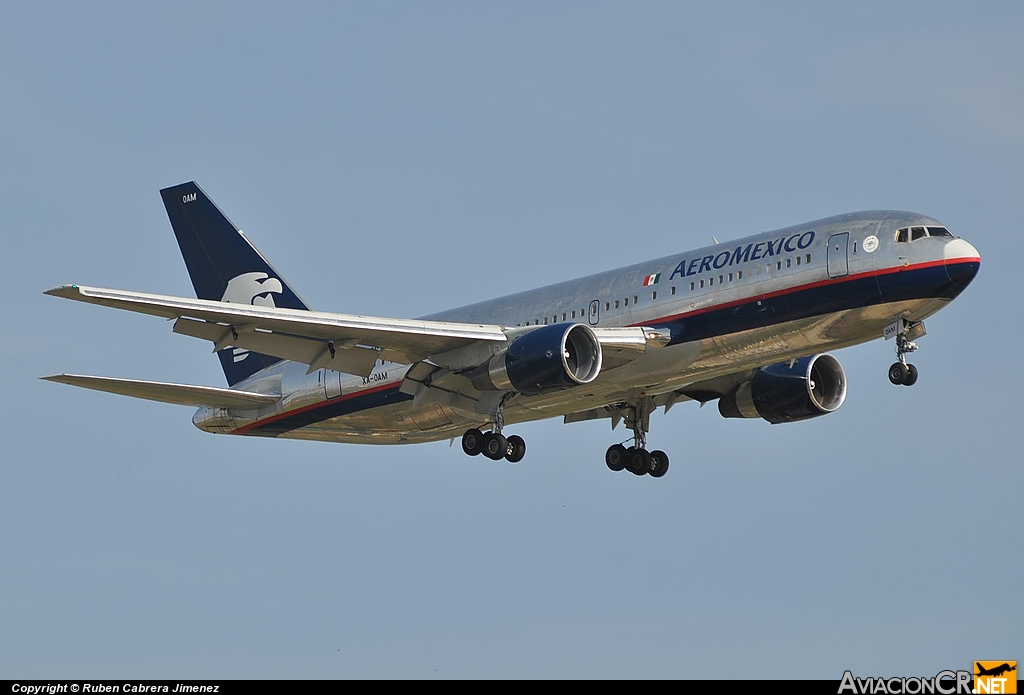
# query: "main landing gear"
{"type": "Point", "coordinates": [494, 445]}
{"type": "Point", "coordinates": [901, 373]}
{"type": "Point", "coordinates": [636, 459]}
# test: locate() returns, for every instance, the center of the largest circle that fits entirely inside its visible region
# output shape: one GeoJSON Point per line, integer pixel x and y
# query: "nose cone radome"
{"type": "Point", "coordinates": [960, 249]}
{"type": "Point", "coordinates": [962, 264]}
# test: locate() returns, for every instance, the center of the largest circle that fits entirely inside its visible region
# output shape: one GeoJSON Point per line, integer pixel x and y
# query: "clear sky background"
{"type": "Point", "coordinates": [398, 159]}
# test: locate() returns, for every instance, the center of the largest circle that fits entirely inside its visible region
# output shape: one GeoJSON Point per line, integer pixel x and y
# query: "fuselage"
{"type": "Point", "coordinates": [728, 307]}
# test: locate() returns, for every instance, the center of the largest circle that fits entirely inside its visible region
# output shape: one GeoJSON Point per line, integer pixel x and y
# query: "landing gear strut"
{"type": "Point", "coordinates": [636, 459]}
{"type": "Point", "coordinates": [901, 373]}
{"type": "Point", "coordinates": [494, 445]}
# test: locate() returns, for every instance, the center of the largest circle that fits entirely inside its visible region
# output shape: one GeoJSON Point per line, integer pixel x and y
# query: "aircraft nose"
{"type": "Point", "coordinates": [962, 263]}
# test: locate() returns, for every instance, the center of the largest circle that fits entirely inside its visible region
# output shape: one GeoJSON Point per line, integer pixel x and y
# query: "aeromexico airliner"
{"type": "Point", "coordinates": [745, 322]}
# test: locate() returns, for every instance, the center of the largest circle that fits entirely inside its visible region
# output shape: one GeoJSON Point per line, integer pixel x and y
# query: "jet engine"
{"type": "Point", "coordinates": [789, 391]}
{"type": "Point", "coordinates": [550, 358]}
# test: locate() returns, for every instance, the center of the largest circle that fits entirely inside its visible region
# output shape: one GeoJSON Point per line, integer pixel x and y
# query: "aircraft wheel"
{"type": "Point", "coordinates": [659, 464]}
{"type": "Point", "coordinates": [898, 373]}
{"type": "Point", "coordinates": [495, 446]}
{"type": "Point", "coordinates": [473, 442]}
{"type": "Point", "coordinates": [516, 449]}
{"type": "Point", "coordinates": [615, 457]}
{"type": "Point", "coordinates": [639, 462]}
{"type": "Point", "coordinates": [911, 377]}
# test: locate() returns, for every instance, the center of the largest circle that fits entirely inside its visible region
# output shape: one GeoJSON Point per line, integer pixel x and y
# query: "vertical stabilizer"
{"type": "Point", "coordinates": [225, 267]}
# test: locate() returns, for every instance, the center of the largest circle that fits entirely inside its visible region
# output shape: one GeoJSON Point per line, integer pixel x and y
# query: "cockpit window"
{"type": "Point", "coordinates": [914, 233]}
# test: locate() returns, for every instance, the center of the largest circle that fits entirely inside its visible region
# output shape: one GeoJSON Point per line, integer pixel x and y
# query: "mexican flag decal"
{"type": "Point", "coordinates": [652, 279]}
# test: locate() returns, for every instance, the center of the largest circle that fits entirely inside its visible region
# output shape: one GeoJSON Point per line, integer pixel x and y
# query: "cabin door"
{"type": "Point", "coordinates": [837, 261]}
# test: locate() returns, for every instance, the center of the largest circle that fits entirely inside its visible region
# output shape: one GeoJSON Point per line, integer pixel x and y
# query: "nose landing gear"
{"type": "Point", "coordinates": [901, 373]}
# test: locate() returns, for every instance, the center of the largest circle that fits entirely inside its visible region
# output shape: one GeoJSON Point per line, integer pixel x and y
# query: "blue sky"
{"type": "Point", "coordinates": [402, 158]}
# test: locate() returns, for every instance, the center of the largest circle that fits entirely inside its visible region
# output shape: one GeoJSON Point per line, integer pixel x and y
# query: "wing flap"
{"type": "Point", "coordinates": [318, 354]}
{"type": "Point", "coordinates": [178, 394]}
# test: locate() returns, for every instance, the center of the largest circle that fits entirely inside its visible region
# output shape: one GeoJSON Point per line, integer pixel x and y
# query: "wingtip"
{"type": "Point", "coordinates": [63, 291]}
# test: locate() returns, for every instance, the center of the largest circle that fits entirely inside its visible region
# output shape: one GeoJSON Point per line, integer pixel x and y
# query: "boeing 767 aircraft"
{"type": "Point", "coordinates": [744, 322]}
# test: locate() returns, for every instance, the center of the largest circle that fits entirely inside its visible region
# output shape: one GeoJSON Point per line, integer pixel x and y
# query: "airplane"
{"type": "Point", "coordinates": [748, 322]}
{"type": "Point", "coordinates": [995, 671]}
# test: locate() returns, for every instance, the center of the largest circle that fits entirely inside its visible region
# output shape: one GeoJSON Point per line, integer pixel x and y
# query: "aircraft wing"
{"type": "Point", "coordinates": [399, 340]}
{"type": "Point", "coordinates": [345, 342]}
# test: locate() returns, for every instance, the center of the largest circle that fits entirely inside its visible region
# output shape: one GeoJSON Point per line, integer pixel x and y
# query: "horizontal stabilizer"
{"type": "Point", "coordinates": [179, 394]}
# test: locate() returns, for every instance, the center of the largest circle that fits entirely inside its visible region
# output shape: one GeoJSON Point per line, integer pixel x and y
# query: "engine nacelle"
{"type": "Point", "coordinates": [812, 386]}
{"type": "Point", "coordinates": [549, 358]}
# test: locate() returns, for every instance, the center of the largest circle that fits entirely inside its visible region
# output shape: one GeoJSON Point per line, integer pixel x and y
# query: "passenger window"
{"type": "Point", "coordinates": [673, 289]}
{"type": "Point", "coordinates": [702, 283]}
{"type": "Point", "coordinates": [625, 302]}
{"type": "Point", "coordinates": [545, 320]}
{"type": "Point", "coordinates": [779, 265]}
{"type": "Point", "coordinates": [901, 236]}
{"type": "Point", "coordinates": [798, 257]}
{"type": "Point", "coordinates": [721, 279]}
{"type": "Point", "coordinates": [789, 262]}
{"type": "Point", "coordinates": [574, 313]}
{"type": "Point", "coordinates": [691, 287]}
{"type": "Point", "coordinates": [635, 299]}
{"type": "Point", "coordinates": [607, 306]}
{"type": "Point", "coordinates": [739, 274]}
{"type": "Point", "coordinates": [917, 233]}
{"type": "Point", "coordinates": [563, 316]}
{"type": "Point", "coordinates": [730, 277]}
{"type": "Point", "coordinates": [616, 303]}
{"type": "Point", "coordinates": [654, 294]}
{"type": "Point", "coordinates": [711, 281]}
{"type": "Point", "coordinates": [807, 258]}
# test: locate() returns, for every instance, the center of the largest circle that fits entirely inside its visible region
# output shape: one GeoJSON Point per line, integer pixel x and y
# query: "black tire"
{"type": "Point", "coordinates": [639, 462]}
{"type": "Point", "coordinates": [911, 375]}
{"type": "Point", "coordinates": [615, 457]}
{"type": "Point", "coordinates": [495, 446]}
{"type": "Point", "coordinates": [516, 449]}
{"type": "Point", "coordinates": [473, 442]}
{"type": "Point", "coordinates": [659, 464]}
{"type": "Point", "coordinates": [898, 373]}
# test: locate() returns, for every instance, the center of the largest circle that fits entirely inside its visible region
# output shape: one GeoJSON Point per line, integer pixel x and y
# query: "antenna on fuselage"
{"type": "Point", "coordinates": [715, 239]}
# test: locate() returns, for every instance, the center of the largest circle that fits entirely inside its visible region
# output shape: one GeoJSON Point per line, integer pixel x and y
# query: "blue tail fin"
{"type": "Point", "coordinates": [225, 267]}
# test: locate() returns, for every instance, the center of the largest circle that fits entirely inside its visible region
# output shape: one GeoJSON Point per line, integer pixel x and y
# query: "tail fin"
{"type": "Point", "coordinates": [224, 266]}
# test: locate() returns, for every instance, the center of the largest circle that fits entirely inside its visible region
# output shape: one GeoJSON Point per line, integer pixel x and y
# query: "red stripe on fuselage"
{"type": "Point", "coordinates": [696, 312]}
{"type": "Point", "coordinates": [313, 406]}
{"type": "Point", "coordinates": [814, 285]}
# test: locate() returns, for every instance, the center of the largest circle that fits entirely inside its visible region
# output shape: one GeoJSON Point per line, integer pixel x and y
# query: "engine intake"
{"type": "Point", "coordinates": [550, 358]}
{"type": "Point", "coordinates": [811, 387]}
